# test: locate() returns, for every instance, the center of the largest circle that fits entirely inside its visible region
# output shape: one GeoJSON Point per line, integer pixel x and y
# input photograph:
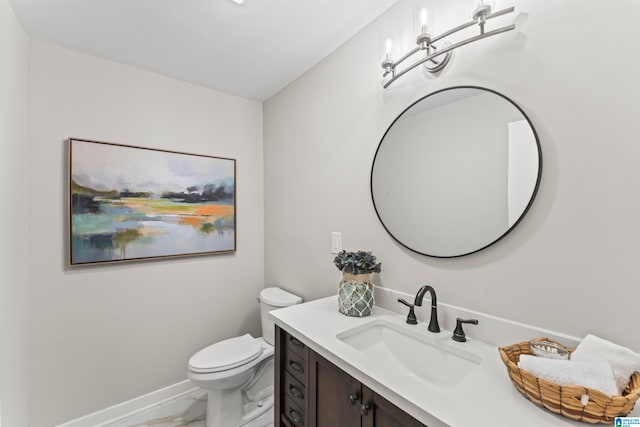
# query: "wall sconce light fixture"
{"type": "Point", "coordinates": [432, 57]}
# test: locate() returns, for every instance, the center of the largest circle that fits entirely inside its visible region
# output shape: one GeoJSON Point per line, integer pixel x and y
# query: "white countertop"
{"type": "Point", "coordinates": [485, 397]}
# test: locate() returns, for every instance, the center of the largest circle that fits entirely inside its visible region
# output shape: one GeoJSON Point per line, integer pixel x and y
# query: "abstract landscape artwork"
{"type": "Point", "coordinates": [131, 203]}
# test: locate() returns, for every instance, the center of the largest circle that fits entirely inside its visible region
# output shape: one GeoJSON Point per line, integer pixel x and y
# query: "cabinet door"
{"type": "Point", "coordinates": [379, 412]}
{"type": "Point", "coordinates": [335, 399]}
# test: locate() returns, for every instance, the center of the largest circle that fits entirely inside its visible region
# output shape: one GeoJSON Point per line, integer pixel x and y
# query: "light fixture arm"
{"type": "Point", "coordinates": [434, 53]}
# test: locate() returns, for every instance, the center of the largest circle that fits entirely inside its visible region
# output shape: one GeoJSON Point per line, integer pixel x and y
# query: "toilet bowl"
{"type": "Point", "coordinates": [238, 372]}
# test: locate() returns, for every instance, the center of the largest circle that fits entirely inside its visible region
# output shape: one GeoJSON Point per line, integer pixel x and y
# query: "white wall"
{"type": "Point", "coordinates": [104, 334]}
{"type": "Point", "coordinates": [13, 187]}
{"type": "Point", "coordinates": [571, 264]}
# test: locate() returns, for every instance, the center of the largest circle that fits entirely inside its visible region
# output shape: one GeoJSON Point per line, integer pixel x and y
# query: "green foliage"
{"type": "Point", "coordinates": [359, 262]}
{"type": "Point", "coordinates": [79, 189]}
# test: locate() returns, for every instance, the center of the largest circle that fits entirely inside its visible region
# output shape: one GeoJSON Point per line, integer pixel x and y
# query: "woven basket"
{"type": "Point", "coordinates": [567, 400]}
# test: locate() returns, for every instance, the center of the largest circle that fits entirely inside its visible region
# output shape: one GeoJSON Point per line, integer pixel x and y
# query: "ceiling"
{"type": "Point", "coordinates": [251, 51]}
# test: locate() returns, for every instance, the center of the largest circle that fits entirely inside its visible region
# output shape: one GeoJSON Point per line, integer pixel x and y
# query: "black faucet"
{"type": "Point", "coordinates": [433, 323]}
{"type": "Point", "coordinates": [411, 317]}
{"type": "Point", "coordinates": [458, 333]}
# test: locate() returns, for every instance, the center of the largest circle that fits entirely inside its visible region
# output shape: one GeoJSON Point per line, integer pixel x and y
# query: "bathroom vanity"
{"type": "Point", "coordinates": [334, 370]}
{"type": "Point", "coordinates": [311, 391]}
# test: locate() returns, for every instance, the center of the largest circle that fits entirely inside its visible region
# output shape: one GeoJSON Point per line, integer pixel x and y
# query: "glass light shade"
{"type": "Point", "coordinates": [387, 48]}
{"type": "Point", "coordinates": [422, 18]}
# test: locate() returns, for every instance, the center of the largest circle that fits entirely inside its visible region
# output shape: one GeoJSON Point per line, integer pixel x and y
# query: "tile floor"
{"type": "Point", "coordinates": [186, 411]}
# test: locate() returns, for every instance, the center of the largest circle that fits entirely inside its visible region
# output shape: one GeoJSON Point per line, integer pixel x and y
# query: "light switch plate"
{"type": "Point", "coordinates": [336, 242]}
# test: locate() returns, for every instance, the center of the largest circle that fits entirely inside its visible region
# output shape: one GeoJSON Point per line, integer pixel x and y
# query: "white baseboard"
{"type": "Point", "coordinates": [133, 406]}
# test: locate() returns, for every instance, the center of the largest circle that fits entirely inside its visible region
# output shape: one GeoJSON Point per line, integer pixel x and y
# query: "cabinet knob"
{"type": "Point", "coordinates": [296, 417]}
{"type": "Point", "coordinates": [353, 398]}
{"type": "Point", "coordinates": [296, 342]}
{"type": "Point", "coordinates": [296, 367]}
{"type": "Point", "coordinates": [364, 409]}
{"type": "Point", "coordinates": [296, 392]}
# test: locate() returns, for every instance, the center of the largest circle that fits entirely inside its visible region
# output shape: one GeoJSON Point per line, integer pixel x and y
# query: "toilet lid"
{"type": "Point", "coordinates": [227, 354]}
{"type": "Point", "coordinates": [279, 297]}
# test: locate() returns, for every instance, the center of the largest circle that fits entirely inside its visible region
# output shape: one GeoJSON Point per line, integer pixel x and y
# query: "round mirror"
{"type": "Point", "coordinates": [456, 171]}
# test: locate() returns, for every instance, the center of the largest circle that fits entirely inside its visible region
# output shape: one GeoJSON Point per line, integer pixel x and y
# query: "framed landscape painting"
{"type": "Point", "coordinates": [131, 203]}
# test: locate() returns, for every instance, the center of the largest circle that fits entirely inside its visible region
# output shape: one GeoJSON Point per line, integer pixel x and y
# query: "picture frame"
{"type": "Point", "coordinates": [129, 203]}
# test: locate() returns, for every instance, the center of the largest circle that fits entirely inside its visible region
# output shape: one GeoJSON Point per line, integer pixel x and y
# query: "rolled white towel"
{"type": "Point", "coordinates": [597, 375]}
{"type": "Point", "coordinates": [623, 360]}
{"type": "Point", "coordinates": [554, 370]}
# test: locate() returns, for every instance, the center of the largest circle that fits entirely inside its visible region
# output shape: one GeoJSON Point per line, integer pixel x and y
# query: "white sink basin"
{"type": "Point", "coordinates": [423, 355]}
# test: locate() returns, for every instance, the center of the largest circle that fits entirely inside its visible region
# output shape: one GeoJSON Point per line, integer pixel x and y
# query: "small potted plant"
{"type": "Point", "coordinates": [355, 291]}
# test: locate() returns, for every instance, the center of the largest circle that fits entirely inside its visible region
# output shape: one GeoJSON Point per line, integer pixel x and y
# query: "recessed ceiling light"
{"type": "Point", "coordinates": [241, 2]}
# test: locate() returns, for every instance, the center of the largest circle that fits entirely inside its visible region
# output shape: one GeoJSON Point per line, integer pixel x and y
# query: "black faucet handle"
{"type": "Point", "coordinates": [411, 317]}
{"type": "Point", "coordinates": [458, 333]}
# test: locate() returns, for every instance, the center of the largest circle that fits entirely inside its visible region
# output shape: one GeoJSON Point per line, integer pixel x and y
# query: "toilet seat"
{"type": "Point", "coordinates": [226, 355]}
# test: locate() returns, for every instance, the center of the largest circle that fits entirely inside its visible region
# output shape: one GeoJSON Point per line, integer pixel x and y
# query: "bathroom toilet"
{"type": "Point", "coordinates": [238, 372]}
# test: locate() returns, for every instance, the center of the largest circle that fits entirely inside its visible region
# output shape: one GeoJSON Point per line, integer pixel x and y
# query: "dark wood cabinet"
{"type": "Point", "coordinates": [335, 398]}
{"type": "Point", "coordinates": [384, 413]}
{"type": "Point", "coordinates": [311, 391]}
{"type": "Point", "coordinates": [291, 380]}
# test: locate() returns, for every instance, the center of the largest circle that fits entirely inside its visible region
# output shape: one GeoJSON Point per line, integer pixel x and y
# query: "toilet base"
{"type": "Point", "coordinates": [265, 405]}
{"type": "Point", "coordinates": [226, 410]}
{"type": "Point", "coordinates": [237, 406]}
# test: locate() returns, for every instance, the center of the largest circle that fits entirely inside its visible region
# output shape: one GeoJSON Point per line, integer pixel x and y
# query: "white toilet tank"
{"type": "Point", "coordinates": [271, 299]}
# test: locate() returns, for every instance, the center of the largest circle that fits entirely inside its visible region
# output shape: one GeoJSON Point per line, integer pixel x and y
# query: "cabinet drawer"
{"type": "Point", "coordinates": [292, 412]}
{"type": "Point", "coordinates": [291, 343]}
{"type": "Point", "coordinates": [294, 389]}
{"type": "Point", "coordinates": [295, 365]}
